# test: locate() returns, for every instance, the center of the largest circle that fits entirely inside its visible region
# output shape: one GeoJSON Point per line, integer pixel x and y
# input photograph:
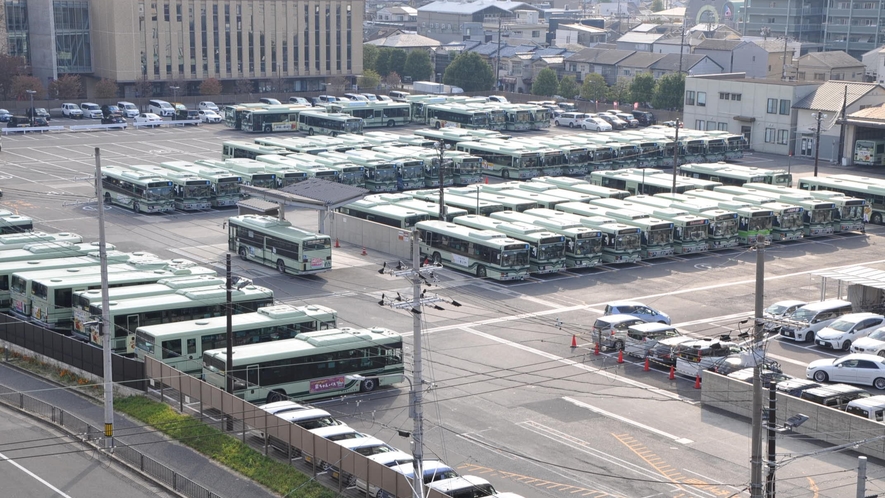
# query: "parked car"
{"type": "Point", "coordinates": [161, 108]}
{"type": "Point", "coordinates": [854, 368]}
{"type": "Point", "coordinates": [643, 337]}
{"type": "Point", "coordinates": [384, 98]}
{"type": "Point", "coordinates": [297, 100]}
{"type": "Point", "coordinates": [848, 328]}
{"type": "Point", "coordinates": [19, 122]}
{"type": "Point", "coordinates": [834, 395]}
{"type": "Point", "coordinates": [269, 101]}
{"type": "Point", "coordinates": [779, 311]}
{"type": "Point", "coordinates": [672, 124]}
{"type": "Point", "coordinates": [41, 112]}
{"type": "Point", "coordinates": [187, 115]}
{"type": "Point", "coordinates": [71, 110]}
{"type": "Point", "coordinates": [766, 375]}
{"type": "Point", "coordinates": [111, 115]}
{"type": "Point", "coordinates": [498, 98]}
{"type": "Point", "coordinates": [595, 124]}
{"type": "Point", "coordinates": [570, 119]}
{"type": "Point", "coordinates": [872, 408]}
{"type": "Point", "coordinates": [629, 119]}
{"type": "Point", "coordinates": [208, 116]}
{"type": "Point", "coordinates": [128, 109]}
{"type": "Point", "coordinates": [357, 97]}
{"type": "Point", "coordinates": [148, 119]}
{"type": "Point", "coordinates": [806, 321]}
{"type": "Point", "coordinates": [795, 387]}
{"type": "Point", "coordinates": [637, 309]}
{"type": "Point", "coordinates": [371, 96]}
{"type": "Point", "coordinates": [91, 110]}
{"type": "Point", "coordinates": [610, 332]}
{"type": "Point", "coordinates": [616, 122]}
{"type": "Point", "coordinates": [664, 352]}
{"type": "Point", "coordinates": [871, 344]}
{"type": "Point", "coordinates": [4, 115]}
{"type": "Point", "coordinates": [645, 118]}
{"type": "Point", "coordinates": [207, 105]}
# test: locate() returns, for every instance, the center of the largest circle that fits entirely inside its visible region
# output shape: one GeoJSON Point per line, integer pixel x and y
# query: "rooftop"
{"type": "Point", "coordinates": [461, 7]}
{"type": "Point", "coordinates": [836, 58]}
{"type": "Point", "coordinates": [830, 95]}
{"type": "Point", "coordinates": [405, 40]}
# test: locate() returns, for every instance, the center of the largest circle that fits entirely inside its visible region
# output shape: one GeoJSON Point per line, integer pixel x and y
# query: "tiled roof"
{"type": "Point", "coordinates": [836, 58]}
{"type": "Point", "coordinates": [870, 113]}
{"type": "Point", "coordinates": [544, 52]}
{"type": "Point", "coordinates": [329, 193]}
{"type": "Point", "coordinates": [600, 56]}
{"type": "Point", "coordinates": [641, 59]}
{"type": "Point", "coordinates": [487, 49]}
{"type": "Point", "coordinates": [670, 62]}
{"type": "Point", "coordinates": [511, 50]}
{"type": "Point", "coordinates": [714, 44]}
{"type": "Point", "coordinates": [829, 96]}
{"type": "Point", "coordinates": [774, 46]}
{"type": "Point", "coordinates": [462, 8]}
{"type": "Point", "coordinates": [405, 40]}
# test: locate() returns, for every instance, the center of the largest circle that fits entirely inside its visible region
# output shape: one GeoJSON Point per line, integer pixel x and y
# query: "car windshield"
{"type": "Point", "coordinates": [804, 315]}
{"type": "Point", "coordinates": [878, 335]}
{"type": "Point", "coordinates": [842, 325]}
{"type": "Point", "coordinates": [776, 309]}
{"type": "Point", "coordinates": [91, 107]}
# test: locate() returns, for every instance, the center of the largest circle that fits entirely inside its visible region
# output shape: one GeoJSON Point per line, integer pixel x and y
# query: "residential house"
{"type": "Point", "coordinates": [642, 42]}
{"type": "Point", "coordinates": [595, 60]}
{"type": "Point", "coordinates": [828, 101]}
{"type": "Point", "coordinates": [690, 64]}
{"type": "Point", "coordinates": [400, 14]}
{"type": "Point", "coordinates": [825, 66]}
{"type": "Point", "coordinates": [453, 21]}
{"type": "Point", "coordinates": [781, 57]}
{"type": "Point", "coordinates": [736, 56]}
{"type": "Point", "coordinates": [760, 109]}
{"type": "Point", "coordinates": [579, 34]}
{"type": "Point", "coordinates": [874, 64]}
{"type": "Point", "coordinates": [672, 44]}
{"type": "Point", "coordinates": [637, 63]}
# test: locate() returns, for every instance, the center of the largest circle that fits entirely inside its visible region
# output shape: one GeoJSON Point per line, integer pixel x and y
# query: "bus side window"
{"type": "Point", "coordinates": [171, 349]}
{"type": "Point", "coordinates": [191, 346]}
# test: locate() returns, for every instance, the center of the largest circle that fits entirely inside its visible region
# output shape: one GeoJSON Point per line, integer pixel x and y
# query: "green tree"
{"type": "Point", "coordinates": [594, 87]}
{"type": "Point", "coordinates": [619, 92]}
{"type": "Point", "coordinates": [370, 57]}
{"type": "Point", "coordinates": [397, 62]}
{"type": "Point", "coordinates": [470, 72]}
{"type": "Point", "coordinates": [546, 83]}
{"type": "Point", "coordinates": [369, 80]}
{"type": "Point", "coordinates": [243, 86]}
{"type": "Point", "coordinates": [418, 66]}
{"type": "Point", "coordinates": [657, 5]}
{"type": "Point", "coordinates": [568, 87]}
{"type": "Point", "coordinates": [66, 87]}
{"type": "Point", "coordinates": [106, 89]}
{"type": "Point", "coordinates": [10, 67]}
{"type": "Point", "coordinates": [393, 80]}
{"type": "Point", "coordinates": [22, 83]}
{"type": "Point", "coordinates": [642, 88]}
{"type": "Point", "coordinates": [382, 62]}
{"type": "Point", "coordinates": [210, 86]}
{"type": "Point", "coordinates": [669, 92]}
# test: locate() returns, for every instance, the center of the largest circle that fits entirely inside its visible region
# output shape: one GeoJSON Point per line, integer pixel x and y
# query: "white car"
{"type": "Point", "coordinates": [779, 311]}
{"type": "Point", "coordinates": [148, 119]}
{"type": "Point", "coordinates": [207, 106]}
{"type": "Point", "coordinates": [207, 116]}
{"type": "Point", "coordinates": [299, 101]}
{"type": "Point", "coordinates": [384, 98]}
{"type": "Point", "coordinates": [70, 110]}
{"type": "Point", "coordinates": [871, 344]}
{"type": "Point", "coordinates": [855, 368]}
{"type": "Point", "coordinates": [91, 110]}
{"type": "Point", "coordinates": [848, 328]}
{"type": "Point", "coordinates": [128, 109]}
{"type": "Point", "coordinates": [595, 124]}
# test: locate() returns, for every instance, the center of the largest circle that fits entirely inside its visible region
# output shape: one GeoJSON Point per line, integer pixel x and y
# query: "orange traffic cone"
{"type": "Point", "coordinates": [672, 373]}
{"type": "Point", "coordinates": [596, 349]}
{"type": "Point", "coordinates": [620, 357]}
{"type": "Point", "coordinates": [364, 253]}
{"type": "Point", "coordinates": [337, 245]}
{"type": "Point", "coordinates": [574, 341]}
{"type": "Point", "coordinates": [697, 382]}
{"type": "Point", "coordinates": [486, 179]}
{"type": "Point", "coordinates": [646, 367]}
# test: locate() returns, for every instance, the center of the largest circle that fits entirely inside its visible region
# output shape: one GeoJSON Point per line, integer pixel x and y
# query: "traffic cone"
{"type": "Point", "coordinates": [486, 180]}
{"type": "Point", "coordinates": [574, 341]}
{"type": "Point", "coordinates": [620, 357]}
{"type": "Point", "coordinates": [337, 245]}
{"type": "Point", "coordinates": [697, 382]}
{"type": "Point", "coordinates": [672, 373]}
{"type": "Point", "coordinates": [646, 367]}
{"type": "Point", "coordinates": [596, 349]}
{"type": "Point", "coordinates": [364, 253]}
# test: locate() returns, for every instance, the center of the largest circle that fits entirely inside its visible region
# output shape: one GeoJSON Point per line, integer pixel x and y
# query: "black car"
{"type": "Point", "coordinates": [38, 112]}
{"type": "Point", "coordinates": [20, 122]}
{"type": "Point", "coordinates": [645, 118]}
{"type": "Point", "coordinates": [187, 114]}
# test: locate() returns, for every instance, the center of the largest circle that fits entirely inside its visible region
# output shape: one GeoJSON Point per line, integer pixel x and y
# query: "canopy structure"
{"type": "Point", "coordinates": [865, 286]}
{"type": "Point", "coordinates": [322, 196]}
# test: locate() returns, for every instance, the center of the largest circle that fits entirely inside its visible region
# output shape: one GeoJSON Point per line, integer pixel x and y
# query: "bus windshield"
{"type": "Point", "coordinates": [791, 220]}
{"type": "Point", "coordinates": [821, 215]}
{"type": "Point", "coordinates": [201, 190]}
{"type": "Point", "coordinates": [627, 242]}
{"type": "Point", "coordinates": [763, 223]}
{"type": "Point", "coordinates": [157, 193]}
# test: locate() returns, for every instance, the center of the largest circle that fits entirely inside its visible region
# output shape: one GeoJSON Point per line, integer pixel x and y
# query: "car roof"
{"type": "Point", "coordinates": [361, 442]}
{"type": "Point", "coordinates": [333, 430]}
{"type": "Point", "coordinates": [858, 316]}
{"type": "Point", "coordinates": [619, 318]}
{"type": "Point", "coordinates": [392, 457]}
{"type": "Point", "coordinates": [615, 304]}
{"type": "Point", "coordinates": [877, 400]}
{"type": "Point", "coordinates": [428, 466]}
{"type": "Point", "coordinates": [823, 305]}
{"type": "Point", "coordinates": [445, 485]}
{"type": "Point", "coordinates": [302, 415]}
{"type": "Point", "coordinates": [278, 405]}
{"type": "Point", "coordinates": [790, 302]}
{"type": "Point", "coordinates": [651, 326]}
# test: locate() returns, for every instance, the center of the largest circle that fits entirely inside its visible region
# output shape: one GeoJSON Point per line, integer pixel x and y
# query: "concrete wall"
{"type": "Point", "coordinates": [824, 423]}
{"type": "Point", "coordinates": [371, 235]}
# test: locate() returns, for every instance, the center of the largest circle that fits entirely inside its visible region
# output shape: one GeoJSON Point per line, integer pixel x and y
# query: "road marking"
{"type": "Point", "coordinates": [680, 440]}
{"type": "Point", "coordinates": [35, 476]}
{"type": "Point", "coordinates": [472, 469]}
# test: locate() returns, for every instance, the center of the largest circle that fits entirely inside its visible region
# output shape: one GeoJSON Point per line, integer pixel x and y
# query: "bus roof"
{"type": "Point", "coordinates": [280, 313]}
{"type": "Point", "coordinates": [185, 296]}
{"type": "Point", "coordinates": [274, 225]}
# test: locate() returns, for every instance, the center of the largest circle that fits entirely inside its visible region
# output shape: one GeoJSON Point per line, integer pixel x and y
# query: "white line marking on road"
{"type": "Point", "coordinates": [680, 440]}
{"type": "Point", "coordinates": [35, 476]}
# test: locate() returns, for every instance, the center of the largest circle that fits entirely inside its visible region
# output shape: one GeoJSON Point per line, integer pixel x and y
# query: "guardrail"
{"type": "Point", "coordinates": [41, 129]}
{"type": "Point", "coordinates": [167, 123]}
{"type": "Point", "coordinates": [88, 127]}
{"type": "Point", "coordinates": [98, 126]}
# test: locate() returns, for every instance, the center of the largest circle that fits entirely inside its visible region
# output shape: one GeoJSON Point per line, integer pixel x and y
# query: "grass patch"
{"type": "Point", "coordinates": [230, 452]}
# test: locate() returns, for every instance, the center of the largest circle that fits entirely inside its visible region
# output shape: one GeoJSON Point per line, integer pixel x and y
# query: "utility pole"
{"type": "Point", "coordinates": [772, 440]}
{"type": "Point", "coordinates": [861, 477]}
{"type": "Point", "coordinates": [441, 148]}
{"type": "Point", "coordinates": [498, 59]}
{"type": "Point", "coordinates": [106, 328]}
{"type": "Point", "coordinates": [786, 38]}
{"type": "Point", "coordinates": [756, 433]}
{"type": "Point", "coordinates": [818, 116]}
{"type": "Point", "coordinates": [229, 311]}
{"type": "Point", "coordinates": [675, 155]}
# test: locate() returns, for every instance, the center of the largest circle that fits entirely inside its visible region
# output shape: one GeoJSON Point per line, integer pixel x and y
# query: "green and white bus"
{"type": "Point", "coordinates": [138, 191]}
{"type": "Point", "coordinates": [231, 149]}
{"type": "Point", "coordinates": [818, 217]}
{"type": "Point", "coordinates": [272, 119]}
{"type": "Point", "coordinates": [620, 243]}
{"type": "Point", "coordinates": [51, 298]}
{"type": "Point", "coordinates": [14, 223]}
{"type": "Point", "coordinates": [453, 116]}
{"type": "Point", "coordinates": [334, 124]}
{"type": "Point", "coordinates": [190, 192]}
{"type": "Point", "coordinates": [552, 191]}
{"type": "Point", "coordinates": [126, 315]}
{"type": "Point", "coordinates": [754, 219]}
{"type": "Point", "coordinates": [251, 171]}
{"type": "Point", "coordinates": [10, 241]}
{"type": "Point", "coordinates": [452, 136]}
{"type": "Point", "coordinates": [722, 231]}
{"type": "Point", "coordinates": [224, 186]}
{"type": "Point", "coordinates": [375, 114]}
{"type": "Point", "coordinates": [540, 199]}
{"type": "Point", "coordinates": [380, 174]}
{"type": "Point", "coordinates": [582, 186]}
{"type": "Point", "coordinates": [547, 248]}
{"type": "Point", "coordinates": [83, 300]}
{"type": "Point", "coordinates": [503, 161]}
{"type": "Point", "coordinates": [417, 167]}
{"type": "Point", "coordinates": [421, 206]}
{"type": "Point", "coordinates": [50, 250]}
{"type": "Point", "coordinates": [473, 205]}
{"type": "Point", "coordinates": [484, 253]}
{"type": "Point", "coordinates": [852, 210]}
{"type": "Point", "coordinates": [735, 174]}
{"type": "Point", "coordinates": [384, 212]}
{"type": "Point", "coordinates": [309, 165]}
{"type": "Point", "coordinates": [181, 344]}
{"type": "Point", "coordinates": [409, 167]}
{"type": "Point", "coordinates": [233, 114]}
{"type": "Point", "coordinates": [869, 152]}
{"type": "Point", "coordinates": [276, 243]}
{"type": "Point", "coordinates": [583, 245]}
{"type": "Point", "coordinates": [690, 232]}
{"type": "Point", "coordinates": [512, 203]}
{"type": "Point", "coordinates": [657, 234]}
{"type": "Point", "coordinates": [347, 172]}
{"type": "Point", "coordinates": [311, 365]}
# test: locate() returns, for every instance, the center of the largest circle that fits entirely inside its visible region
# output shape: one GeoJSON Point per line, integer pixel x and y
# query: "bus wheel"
{"type": "Point", "coordinates": [267, 129]}
{"type": "Point", "coordinates": [281, 266]}
{"type": "Point", "coordinates": [334, 134]}
{"type": "Point", "coordinates": [274, 396]}
{"type": "Point", "coordinates": [368, 385]}
{"type": "Point", "coordinates": [243, 253]}
{"type": "Point", "coordinates": [310, 131]}
{"type": "Point", "coordinates": [876, 218]}
{"type": "Point", "coordinates": [437, 125]}
{"type": "Point", "coordinates": [505, 174]}
{"type": "Point", "coordinates": [481, 271]}
{"type": "Point", "coordinates": [391, 123]}
{"type": "Point", "coordinates": [437, 259]}
{"type": "Point", "coordinates": [136, 207]}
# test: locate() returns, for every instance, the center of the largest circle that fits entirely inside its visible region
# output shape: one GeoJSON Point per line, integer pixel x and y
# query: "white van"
{"type": "Point", "coordinates": [842, 332]}
{"type": "Point", "coordinates": [642, 337]}
{"type": "Point", "coordinates": [872, 408]}
{"type": "Point", "coordinates": [161, 108]}
{"type": "Point", "coordinates": [398, 96]}
{"type": "Point", "coordinates": [128, 109]}
{"type": "Point", "coordinates": [611, 330]}
{"type": "Point", "coordinates": [570, 119]}
{"type": "Point", "coordinates": [807, 320]}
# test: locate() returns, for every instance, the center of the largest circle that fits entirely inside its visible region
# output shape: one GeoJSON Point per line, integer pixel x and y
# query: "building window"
{"type": "Point", "coordinates": [772, 106]}
{"type": "Point", "coordinates": [820, 76]}
{"type": "Point", "coordinates": [702, 99]}
{"type": "Point", "coordinates": [736, 96]}
{"type": "Point", "coordinates": [772, 20]}
{"type": "Point", "coordinates": [348, 40]}
{"type": "Point", "coordinates": [711, 125]}
{"type": "Point", "coordinates": [700, 124]}
{"type": "Point", "coordinates": [783, 136]}
{"type": "Point", "coordinates": [722, 127]}
{"type": "Point", "coordinates": [536, 34]}
{"type": "Point", "coordinates": [785, 107]}
{"type": "Point", "coordinates": [689, 97]}
{"type": "Point", "coordinates": [724, 95]}
{"type": "Point", "coordinates": [769, 135]}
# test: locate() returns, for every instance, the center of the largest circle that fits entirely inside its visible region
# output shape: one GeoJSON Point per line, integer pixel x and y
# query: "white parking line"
{"type": "Point", "coordinates": [35, 476]}
{"type": "Point", "coordinates": [680, 440]}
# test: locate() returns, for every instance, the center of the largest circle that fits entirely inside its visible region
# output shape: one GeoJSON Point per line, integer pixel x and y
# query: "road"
{"type": "Point", "coordinates": [507, 397]}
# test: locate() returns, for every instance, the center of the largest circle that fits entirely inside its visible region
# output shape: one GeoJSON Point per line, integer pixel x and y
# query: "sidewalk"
{"type": "Point", "coordinates": [185, 461]}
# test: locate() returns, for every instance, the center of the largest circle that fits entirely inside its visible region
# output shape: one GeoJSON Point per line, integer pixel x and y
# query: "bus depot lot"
{"type": "Point", "coordinates": [507, 397]}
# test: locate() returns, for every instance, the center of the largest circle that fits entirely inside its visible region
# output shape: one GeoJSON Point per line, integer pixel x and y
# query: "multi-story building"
{"type": "Point", "coordinates": [451, 21]}
{"type": "Point", "coordinates": [285, 45]}
{"type": "Point", "coordinates": [854, 26]}
{"type": "Point", "coordinates": [803, 21]}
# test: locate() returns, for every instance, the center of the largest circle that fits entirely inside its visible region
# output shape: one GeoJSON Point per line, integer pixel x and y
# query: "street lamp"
{"type": "Point", "coordinates": [817, 116]}
{"type": "Point", "coordinates": [31, 94]}
{"type": "Point", "coordinates": [174, 93]}
{"type": "Point", "coordinates": [441, 147]}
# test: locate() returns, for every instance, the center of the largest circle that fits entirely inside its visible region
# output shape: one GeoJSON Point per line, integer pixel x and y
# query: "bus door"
{"type": "Point", "coordinates": [252, 376]}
